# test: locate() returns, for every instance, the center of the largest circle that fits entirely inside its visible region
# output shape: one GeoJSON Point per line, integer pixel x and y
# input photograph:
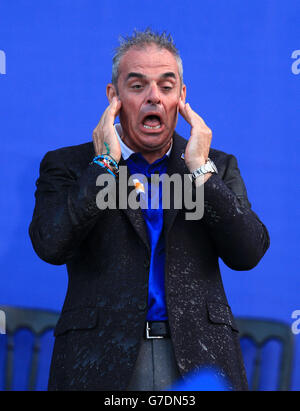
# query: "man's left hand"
{"type": "Point", "coordinates": [197, 149]}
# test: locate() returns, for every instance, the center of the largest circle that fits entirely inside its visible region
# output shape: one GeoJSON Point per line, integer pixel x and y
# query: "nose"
{"type": "Point", "coordinates": [153, 96]}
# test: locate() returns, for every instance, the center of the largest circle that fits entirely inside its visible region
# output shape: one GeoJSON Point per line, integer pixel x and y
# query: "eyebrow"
{"type": "Point", "coordinates": [169, 74]}
{"type": "Point", "coordinates": [132, 74]}
{"type": "Point", "coordinates": [142, 76]}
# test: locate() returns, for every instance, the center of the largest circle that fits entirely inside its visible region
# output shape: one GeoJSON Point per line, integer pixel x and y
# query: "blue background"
{"type": "Point", "coordinates": [237, 68]}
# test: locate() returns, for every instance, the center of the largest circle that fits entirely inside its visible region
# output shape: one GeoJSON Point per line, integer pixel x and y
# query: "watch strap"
{"type": "Point", "coordinates": [208, 167]}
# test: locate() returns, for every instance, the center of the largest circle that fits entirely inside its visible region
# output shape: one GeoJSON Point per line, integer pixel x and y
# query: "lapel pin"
{"type": "Point", "coordinates": [139, 187]}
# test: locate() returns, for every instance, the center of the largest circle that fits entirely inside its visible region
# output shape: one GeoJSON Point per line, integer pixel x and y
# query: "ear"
{"type": "Point", "coordinates": [183, 93]}
{"type": "Point", "coordinates": [111, 92]}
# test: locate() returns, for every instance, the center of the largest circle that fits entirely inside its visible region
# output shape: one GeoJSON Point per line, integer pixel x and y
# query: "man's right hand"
{"type": "Point", "coordinates": [105, 132]}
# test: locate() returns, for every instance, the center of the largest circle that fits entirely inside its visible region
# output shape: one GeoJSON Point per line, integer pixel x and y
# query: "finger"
{"type": "Point", "coordinates": [109, 119]}
{"type": "Point", "coordinates": [99, 126]}
{"type": "Point", "coordinates": [193, 115]}
{"type": "Point", "coordinates": [117, 108]}
{"type": "Point", "coordinates": [104, 129]}
{"type": "Point", "coordinates": [185, 112]}
{"type": "Point", "coordinates": [98, 132]}
{"type": "Point", "coordinates": [112, 112]}
{"type": "Point", "coordinates": [182, 109]}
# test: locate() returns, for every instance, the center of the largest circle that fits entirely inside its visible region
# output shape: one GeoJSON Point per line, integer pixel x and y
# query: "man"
{"type": "Point", "coordinates": [145, 303]}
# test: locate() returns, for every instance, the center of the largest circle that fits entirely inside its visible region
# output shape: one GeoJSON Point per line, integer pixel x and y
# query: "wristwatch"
{"type": "Point", "coordinates": [208, 167]}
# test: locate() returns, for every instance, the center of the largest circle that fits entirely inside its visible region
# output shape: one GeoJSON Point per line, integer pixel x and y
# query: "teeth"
{"type": "Point", "coordinates": [151, 128]}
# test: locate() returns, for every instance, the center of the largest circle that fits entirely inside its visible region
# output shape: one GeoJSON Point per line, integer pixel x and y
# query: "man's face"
{"type": "Point", "coordinates": [149, 89]}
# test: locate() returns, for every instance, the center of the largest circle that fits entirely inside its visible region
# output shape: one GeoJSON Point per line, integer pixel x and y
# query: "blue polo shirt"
{"type": "Point", "coordinates": [153, 215]}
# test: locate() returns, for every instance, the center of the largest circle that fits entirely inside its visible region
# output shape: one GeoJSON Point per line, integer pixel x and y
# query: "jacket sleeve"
{"type": "Point", "coordinates": [65, 208]}
{"type": "Point", "coordinates": [241, 239]}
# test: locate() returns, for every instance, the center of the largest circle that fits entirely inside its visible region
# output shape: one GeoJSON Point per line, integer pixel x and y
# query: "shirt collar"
{"type": "Point", "coordinates": [125, 150]}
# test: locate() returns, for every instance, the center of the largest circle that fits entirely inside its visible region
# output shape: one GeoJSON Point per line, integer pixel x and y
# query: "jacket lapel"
{"type": "Point", "coordinates": [135, 217]}
{"type": "Point", "coordinates": [176, 165]}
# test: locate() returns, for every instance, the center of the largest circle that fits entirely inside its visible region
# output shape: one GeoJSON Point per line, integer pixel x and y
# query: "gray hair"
{"type": "Point", "coordinates": [140, 39]}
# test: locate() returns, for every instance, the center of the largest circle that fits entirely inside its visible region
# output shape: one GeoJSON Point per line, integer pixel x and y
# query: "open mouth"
{"type": "Point", "coordinates": [152, 122]}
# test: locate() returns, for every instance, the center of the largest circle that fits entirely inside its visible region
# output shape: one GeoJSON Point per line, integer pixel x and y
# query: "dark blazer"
{"type": "Point", "coordinates": [107, 255]}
